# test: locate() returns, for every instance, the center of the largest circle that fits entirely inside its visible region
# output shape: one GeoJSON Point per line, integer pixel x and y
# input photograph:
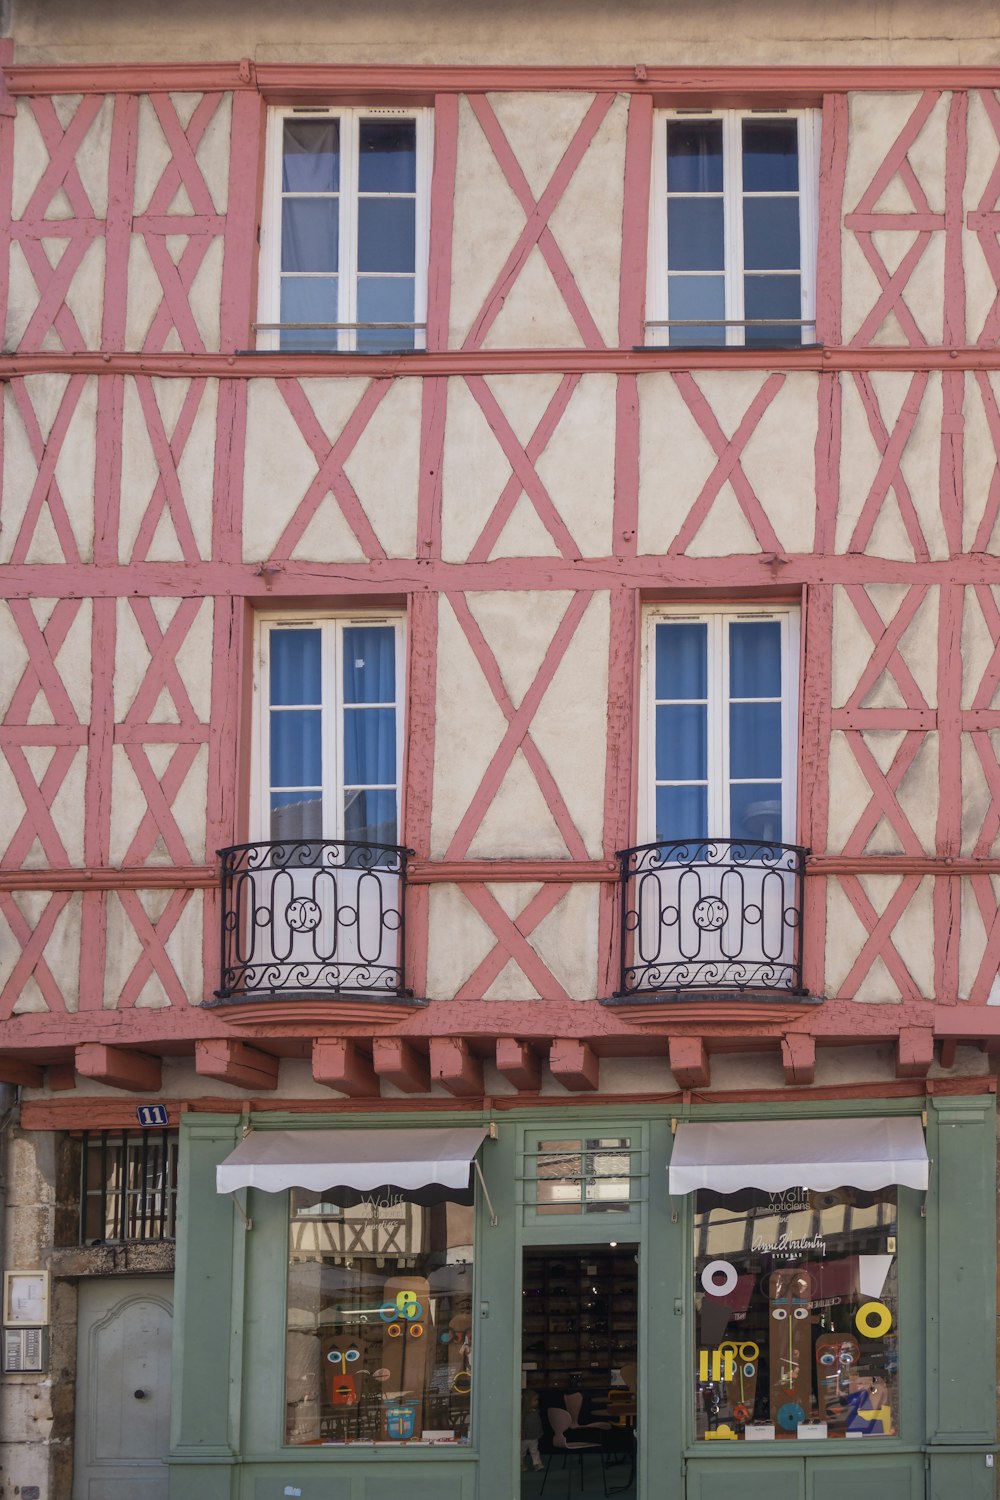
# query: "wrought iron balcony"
{"type": "Point", "coordinates": [711, 914]}
{"type": "Point", "coordinates": [312, 917]}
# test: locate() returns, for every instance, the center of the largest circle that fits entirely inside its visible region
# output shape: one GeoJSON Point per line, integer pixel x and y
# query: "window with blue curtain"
{"type": "Point", "coordinates": [721, 727]}
{"type": "Point", "coordinates": [331, 720]}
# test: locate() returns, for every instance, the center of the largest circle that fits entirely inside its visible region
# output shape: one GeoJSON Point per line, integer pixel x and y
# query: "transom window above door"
{"type": "Point", "coordinates": [733, 227]}
{"type": "Point", "coordinates": [344, 232]}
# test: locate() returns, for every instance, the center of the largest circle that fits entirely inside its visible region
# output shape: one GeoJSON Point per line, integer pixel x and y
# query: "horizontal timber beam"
{"type": "Point", "coordinates": [119, 1068]}
{"type": "Point", "coordinates": [253, 364]}
{"type": "Point", "coordinates": [229, 1060]}
{"type": "Point", "coordinates": [776, 84]}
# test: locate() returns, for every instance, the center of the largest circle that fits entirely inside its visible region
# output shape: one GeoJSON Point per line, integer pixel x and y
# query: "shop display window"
{"type": "Point", "coordinates": [379, 1333]}
{"type": "Point", "coordinates": [796, 1308]}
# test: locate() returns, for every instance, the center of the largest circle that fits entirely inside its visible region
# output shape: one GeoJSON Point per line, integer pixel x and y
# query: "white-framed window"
{"type": "Point", "coordinates": [345, 229]}
{"type": "Point", "coordinates": [328, 743]}
{"type": "Point", "coordinates": [720, 731]}
{"type": "Point", "coordinates": [733, 225]}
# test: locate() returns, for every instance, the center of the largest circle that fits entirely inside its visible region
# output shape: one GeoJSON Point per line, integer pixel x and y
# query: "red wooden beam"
{"type": "Point", "coordinates": [339, 1063]}
{"type": "Point", "coordinates": [575, 1065]}
{"type": "Point", "coordinates": [914, 1051]}
{"type": "Point", "coordinates": [118, 1067]}
{"type": "Point", "coordinates": [798, 1056]}
{"type": "Point", "coordinates": [948, 1049]}
{"type": "Point", "coordinates": [400, 1063]}
{"type": "Point", "coordinates": [16, 1070]}
{"type": "Point", "coordinates": [232, 1061]}
{"type": "Point", "coordinates": [519, 1063]}
{"type": "Point", "coordinates": [454, 1066]}
{"type": "Point", "coordinates": [61, 1077]}
{"type": "Point", "coordinates": [689, 1062]}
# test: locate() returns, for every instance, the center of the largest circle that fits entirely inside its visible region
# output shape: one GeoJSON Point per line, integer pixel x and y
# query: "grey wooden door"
{"type": "Point", "coordinates": [123, 1388]}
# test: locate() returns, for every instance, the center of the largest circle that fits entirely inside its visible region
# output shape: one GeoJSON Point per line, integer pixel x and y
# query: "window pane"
{"type": "Point", "coordinates": [695, 240]}
{"type": "Point", "coordinates": [296, 815]}
{"type": "Point", "coordinates": [755, 659]}
{"type": "Point", "coordinates": [773, 297]}
{"type": "Point", "coordinates": [369, 664]}
{"type": "Point", "coordinates": [352, 1375]}
{"type": "Point", "coordinates": [295, 666]}
{"type": "Point", "coordinates": [755, 811]}
{"type": "Point", "coordinates": [370, 817]}
{"type": "Point", "coordinates": [681, 812]}
{"type": "Point", "coordinates": [770, 156]}
{"type": "Point", "coordinates": [780, 1336]}
{"type": "Point", "coordinates": [388, 156]}
{"type": "Point", "coordinates": [385, 299]}
{"type": "Point", "coordinates": [592, 1175]}
{"type": "Point", "coordinates": [682, 660]}
{"type": "Point", "coordinates": [697, 297]}
{"type": "Point", "coordinates": [310, 299]}
{"type": "Point", "coordinates": [681, 742]}
{"type": "Point", "coordinates": [369, 746]}
{"type": "Point", "coordinates": [771, 234]}
{"type": "Point", "coordinates": [754, 739]}
{"type": "Point", "coordinates": [309, 234]}
{"type": "Point", "coordinates": [296, 758]}
{"type": "Point", "coordinates": [694, 156]}
{"type": "Point", "coordinates": [311, 156]}
{"type": "Point", "coordinates": [387, 235]}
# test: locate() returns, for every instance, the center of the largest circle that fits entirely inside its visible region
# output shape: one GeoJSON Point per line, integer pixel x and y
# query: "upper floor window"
{"type": "Point", "coordinates": [345, 229]}
{"type": "Point", "coordinates": [721, 723]}
{"type": "Point", "coordinates": [329, 740]}
{"type": "Point", "coordinates": [733, 227]}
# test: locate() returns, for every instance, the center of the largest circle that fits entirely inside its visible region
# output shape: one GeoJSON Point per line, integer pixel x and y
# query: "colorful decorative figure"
{"type": "Point", "coordinates": [790, 1292]}
{"type": "Point", "coordinates": [836, 1362]}
{"type": "Point", "coordinates": [341, 1361]}
{"type": "Point", "coordinates": [744, 1379]}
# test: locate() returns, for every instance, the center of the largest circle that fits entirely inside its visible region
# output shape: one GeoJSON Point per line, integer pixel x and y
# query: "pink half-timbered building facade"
{"type": "Point", "coordinates": [501, 636]}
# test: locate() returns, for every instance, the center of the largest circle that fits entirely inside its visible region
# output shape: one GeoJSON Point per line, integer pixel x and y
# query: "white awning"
{"type": "Point", "coordinates": [816, 1154]}
{"type": "Point", "coordinates": [317, 1160]}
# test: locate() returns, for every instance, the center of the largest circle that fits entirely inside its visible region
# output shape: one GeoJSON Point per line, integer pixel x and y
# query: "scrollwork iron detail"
{"type": "Point", "coordinates": [312, 917]}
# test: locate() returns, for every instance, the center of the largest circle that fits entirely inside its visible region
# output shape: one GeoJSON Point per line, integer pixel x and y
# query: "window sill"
{"type": "Point", "coordinates": [307, 1009]}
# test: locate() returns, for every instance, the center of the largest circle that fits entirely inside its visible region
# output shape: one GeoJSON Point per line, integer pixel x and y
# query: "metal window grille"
{"type": "Point", "coordinates": [128, 1186]}
{"type": "Point", "coordinates": [600, 1174]}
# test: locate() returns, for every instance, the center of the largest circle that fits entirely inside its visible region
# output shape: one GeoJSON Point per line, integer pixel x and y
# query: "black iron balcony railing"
{"type": "Point", "coordinates": [711, 914]}
{"type": "Point", "coordinates": [312, 917]}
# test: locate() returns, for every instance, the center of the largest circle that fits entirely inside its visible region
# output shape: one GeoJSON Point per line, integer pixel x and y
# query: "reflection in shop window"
{"type": "Point", "coordinates": [591, 1175]}
{"type": "Point", "coordinates": [796, 1304]}
{"type": "Point", "coordinates": [379, 1338]}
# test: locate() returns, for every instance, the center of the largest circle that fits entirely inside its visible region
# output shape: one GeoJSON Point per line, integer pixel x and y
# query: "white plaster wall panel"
{"type": "Point", "coordinates": [677, 459]}
{"type": "Point", "coordinates": [458, 941]}
{"type": "Point", "coordinates": [145, 292]}
{"type": "Point", "coordinates": [570, 728]}
{"type": "Point", "coordinates": [60, 954]}
{"type": "Point", "coordinates": [192, 658]}
{"type": "Point", "coordinates": [280, 468]}
{"type": "Point", "coordinates": [518, 822]}
{"type": "Point", "coordinates": [154, 152]}
{"type": "Point", "coordinates": [384, 468]}
{"type": "Point", "coordinates": [84, 296]}
{"type": "Point", "coordinates": [141, 470]}
{"type": "Point", "coordinates": [979, 651]}
{"type": "Point", "coordinates": [488, 220]}
{"type": "Point", "coordinates": [71, 488]}
{"type": "Point", "coordinates": [129, 805]}
{"type": "Point", "coordinates": [587, 222]}
{"type": "Point", "coordinates": [534, 314]}
{"type": "Point", "coordinates": [540, 128]}
{"type": "Point", "coordinates": [566, 941]}
{"type": "Point", "coordinates": [980, 282]}
{"type": "Point", "coordinates": [578, 465]}
{"type": "Point", "coordinates": [72, 661]}
{"type": "Point", "coordinates": [475, 469]}
{"type": "Point", "coordinates": [980, 756]}
{"type": "Point", "coordinates": [979, 932]}
{"type": "Point", "coordinates": [876, 120]}
{"type": "Point", "coordinates": [469, 726]}
{"type": "Point", "coordinates": [861, 461]}
{"type": "Point", "coordinates": [13, 654]}
{"type": "Point", "coordinates": [183, 947]}
{"type": "Point", "coordinates": [854, 645]}
{"type": "Point", "coordinates": [512, 983]}
{"type": "Point", "coordinates": [31, 157]}
{"type": "Point", "coordinates": [850, 792]}
{"type": "Point", "coordinates": [981, 478]}
{"type": "Point", "coordinates": [912, 936]}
